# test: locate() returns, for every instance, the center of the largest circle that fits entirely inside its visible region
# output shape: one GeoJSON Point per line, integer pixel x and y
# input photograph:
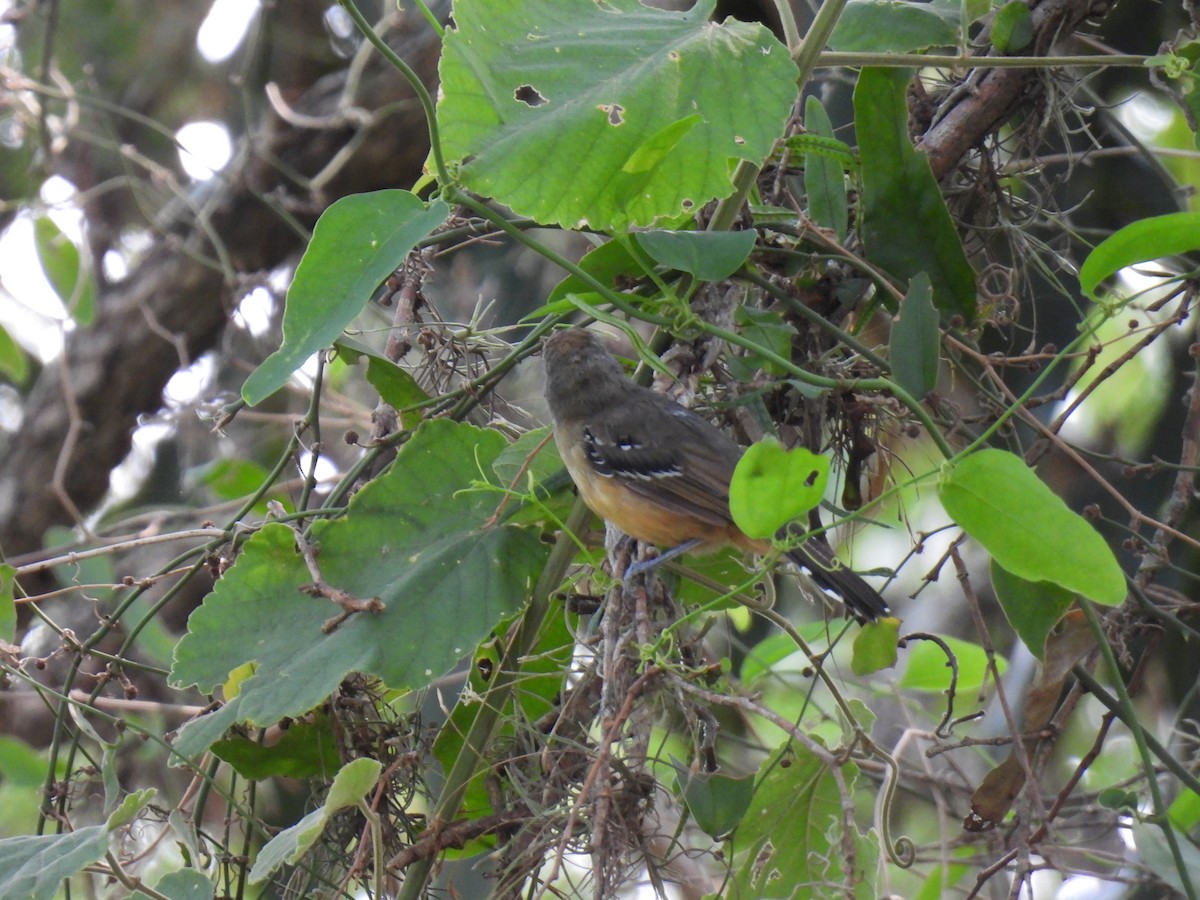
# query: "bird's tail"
{"type": "Point", "coordinates": [816, 560]}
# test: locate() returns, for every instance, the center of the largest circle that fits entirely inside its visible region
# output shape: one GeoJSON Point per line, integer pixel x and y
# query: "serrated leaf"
{"type": "Point", "coordinates": [709, 255]}
{"type": "Point", "coordinates": [891, 26]}
{"type": "Point", "coordinates": [914, 345]}
{"type": "Point", "coordinates": [905, 224]}
{"type": "Point", "coordinates": [772, 486]}
{"type": "Point", "coordinates": [415, 538]}
{"type": "Point", "coordinates": [1027, 528]}
{"type": "Point", "coordinates": [824, 176]}
{"type": "Point", "coordinates": [1142, 241]}
{"type": "Point", "coordinates": [634, 101]}
{"type": "Point", "coordinates": [358, 241]}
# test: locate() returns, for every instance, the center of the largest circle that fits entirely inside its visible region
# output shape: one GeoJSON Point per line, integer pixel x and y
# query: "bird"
{"type": "Point", "coordinates": [659, 472]}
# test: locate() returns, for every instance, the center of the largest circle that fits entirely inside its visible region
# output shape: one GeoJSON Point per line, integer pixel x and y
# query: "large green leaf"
{"type": "Point", "coordinates": [1027, 528]}
{"type": "Point", "coordinates": [906, 226]}
{"type": "Point", "coordinates": [357, 243]}
{"type": "Point", "coordinates": [1139, 242]}
{"type": "Point", "coordinates": [415, 538]}
{"type": "Point", "coordinates": [607, 114]}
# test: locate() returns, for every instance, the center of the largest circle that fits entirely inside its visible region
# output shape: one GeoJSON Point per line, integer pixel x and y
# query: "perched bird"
{"type": "Point", "coordinates": [659, 472]}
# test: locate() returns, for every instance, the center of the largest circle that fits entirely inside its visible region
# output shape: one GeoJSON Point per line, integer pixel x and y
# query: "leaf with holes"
{"type": "Point", "coordinates": [772, 486]}
{"type": "Point", "coordinates": [624, 113]}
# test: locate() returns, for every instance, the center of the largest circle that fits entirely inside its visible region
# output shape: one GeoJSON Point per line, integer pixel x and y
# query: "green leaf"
{"type": "Point", "coordinates": [21, 764]}
{"type": "Point", "coordinates": [716, 802]}
{"type": "Point", "coordinates": [606, 263]}
{"type": "Point", "coordinates": [709, 255]}
{"type": "Point", "coordinates": [1027, 528]}
{"type": "Point", "coordinates": [8, 603]}
{"type": "Point", "coordinates": [14, 362]}
{"type": "Point", "coordinates": [906, 226]}
{"type": "Point", "coordinates": [767, 654]}
{"type": "Point", "coordinates": [306, 750]}
{"type": "Point", "coordinates": [891, 26]}
{"type": "Point", "coordinates": [65, 271]}
{"type": "Point", "coordinates": [358, 241]}
{"type": "Point", "coordinates": [928, 668]}
{"type": "Point", "coordinates": [790, 838]}
{"type": "Point", "coordinates": [229, 479]}
{"type": "Point", "coordinates": [130, 807]}
{"type": "Point", "coordinates": [875, 646]}
{"type": "Point", "coordinates": [1032, 608]}
{"type": "Point", "coordinates": [914, 345]}
{"type": "Point", "coordinates": [1157, 856]}
{"type": "Point", "coordinates": [1139, 242]}
{"type": "Point", "coordinates": [415, 538]}
{"type": "Point", "coordinates": [1184, 811]}
{"type": "Point", "coordinates": [624, 112]}
{"type": "Point", "coordinates": [350, 785]}
{"type": "Point", "coordinates": [31, 867]}
{"type": "Point", "coordinates": [1012, 29]}
{"type": "Point", "coordinates": [396, 387]}
{"type": "Point", "coordinates": [824, 175]}
{"type": "Point", "coordinates": [186, 884]}
{"type": "Point", "coordinates": [353, 783]}
{"type": "Point", "coordinates": [647, 157]}
{"type": "Point", "coordinates": [934, 887]}
{"type": "Point", "coordinates": [767, 330]}
{"type": "Point", "coordinates": [771, 486]}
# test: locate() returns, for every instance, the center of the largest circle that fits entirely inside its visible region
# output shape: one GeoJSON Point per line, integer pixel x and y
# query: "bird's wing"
{"type": "Point", "coordinates": [667, 454]}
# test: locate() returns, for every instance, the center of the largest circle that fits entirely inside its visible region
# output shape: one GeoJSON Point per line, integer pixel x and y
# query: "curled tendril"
{"type": "Point", "coordinates": [902, 851]}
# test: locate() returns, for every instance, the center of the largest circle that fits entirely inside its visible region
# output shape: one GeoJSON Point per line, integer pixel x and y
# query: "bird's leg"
{"type": "Point", "coordinates": [646, 565]}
